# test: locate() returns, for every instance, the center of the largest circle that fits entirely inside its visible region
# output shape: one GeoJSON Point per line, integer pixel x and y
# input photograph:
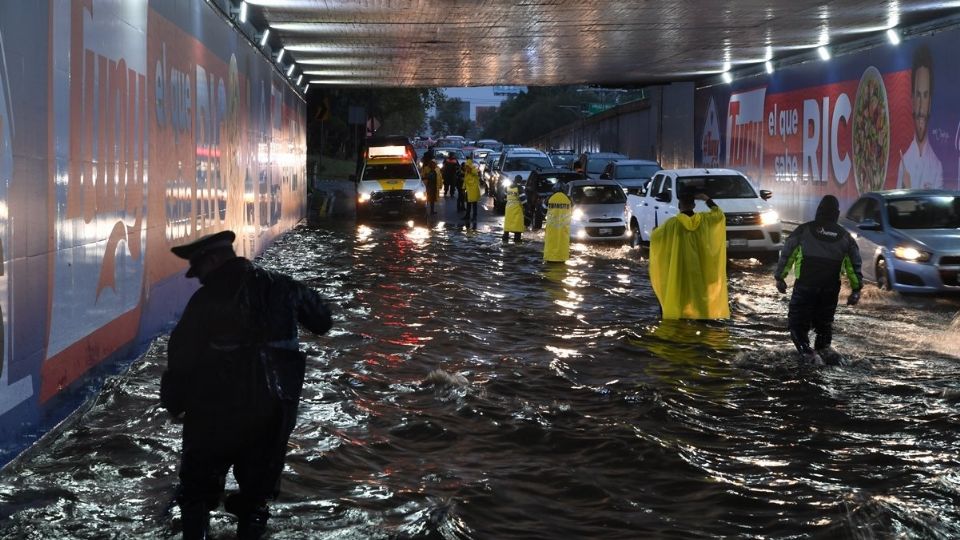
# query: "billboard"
{"type": "Point", "coordinates": [884, 118]}
{"type": "Point", "coordinates": [126, 127]}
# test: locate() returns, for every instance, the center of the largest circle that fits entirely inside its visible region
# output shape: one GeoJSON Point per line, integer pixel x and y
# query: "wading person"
{"type": "Point", "coordinates": [513, 215]}
{"type": "Point", "coordinates": [234, 374]}
{"type": "Point", "coordinates": [451, 172]}
{"type": "Point", "coordinates": [471, 188]}
{"type": "Point", "coordinates": [688, 262]}
{"type": "Point", "coordinates": [818, 251]}
{"type": "Point", "coordinates": [556, 236]}
{"type": "Point", "coordinates": [431, 178]}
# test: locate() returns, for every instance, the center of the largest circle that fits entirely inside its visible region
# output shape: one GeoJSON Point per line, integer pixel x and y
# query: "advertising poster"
{"type": "Point", "coordinates": [883, 118]}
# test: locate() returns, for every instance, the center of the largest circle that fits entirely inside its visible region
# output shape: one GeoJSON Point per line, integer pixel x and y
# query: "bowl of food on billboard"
{"type": "Point", "coordinates": [871, 132]}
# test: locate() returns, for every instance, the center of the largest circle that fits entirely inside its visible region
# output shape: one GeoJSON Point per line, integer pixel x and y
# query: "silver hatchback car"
{"type": "Point", "coordinates": [599, 211]}
{"type": "Point", "coordinates": [909, 239]}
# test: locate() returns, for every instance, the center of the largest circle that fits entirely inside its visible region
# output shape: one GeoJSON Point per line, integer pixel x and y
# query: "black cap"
{"type": "Point", "coordinates": [196, 250]}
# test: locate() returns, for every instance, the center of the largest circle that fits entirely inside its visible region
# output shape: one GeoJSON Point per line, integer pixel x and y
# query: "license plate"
{"type": "Point", "coordinates": [604, 231]}
{"type": "Point", "coordinates": [737, 242]}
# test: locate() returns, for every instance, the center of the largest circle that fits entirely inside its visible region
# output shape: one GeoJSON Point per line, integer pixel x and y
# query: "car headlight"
{"type": "Point", "coordinates": [420, 195]}
{"type": "Point", "coordinates": [910, 253]}
{"type": "Point", "coordinates": [770, 217]}
{"type": "Point", "coordinates": [577, 214]}
{"type": "Point", "coordinates": [363, 197]}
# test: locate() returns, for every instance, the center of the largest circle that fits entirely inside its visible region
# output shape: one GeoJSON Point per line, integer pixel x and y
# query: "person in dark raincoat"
{"type": "Point", "coordinates": [818, 251]}
{"type": "Point", "coordinates": [234, 375]}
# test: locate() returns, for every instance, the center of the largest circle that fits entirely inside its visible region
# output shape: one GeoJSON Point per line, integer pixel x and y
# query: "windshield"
{"type": "Point", "coordinates": [442, 154]}
{"type": "Point", "coordinates": [526, 163]}
{"type": "Point", "coordinates": [562, 159]}
{"type": "Point", "coordinates": [599, 163]}
{"type": "Point", "coordinates": [718, 187]}
{"type": "Point", "coordinates": [604, 194]}
{"type": "Point", "coordinates": [925, 213]}
{"type": "Point", "coordinates": [389, 171]}
{"type": "Point", "coordinates": [636, 171]}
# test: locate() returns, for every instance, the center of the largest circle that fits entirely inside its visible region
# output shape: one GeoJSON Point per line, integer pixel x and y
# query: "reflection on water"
{"type": "Point", "coordinates": [469, 390]}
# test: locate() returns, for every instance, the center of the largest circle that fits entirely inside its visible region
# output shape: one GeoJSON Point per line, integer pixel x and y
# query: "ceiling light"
{"type": "Point", "coordinates": [726, 65]}
{"type": "Point", "coordinates": [299, 79]}
{"type": "Point", "coordinates": [768, 65]}
{"type": "Point", "coordinates": [293, 66]}
{"type": "Point", "coordinates": [727, 77]}
{"type": "Point", "coordinates": [266, 34]}
{"type": "Point", "coordinates": [305, 88]}
{"type": "Point", "coordinates": [824, 53]}
{"type": "Point", "coordinates": [283, 51]}
{"type": "Point", "coordinates": [243, 12]}
{"type": "Point", "coordinates": [893, 36]}
{"type": "Point", "coordinates": [769, 55]}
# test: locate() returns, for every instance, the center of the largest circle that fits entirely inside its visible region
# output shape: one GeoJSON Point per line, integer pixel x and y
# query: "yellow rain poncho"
{"type": "Point", "coordinates": [513, 215]}
{"type": "Point", "coordinates": [471, 181]}
{"type": "Point", "coordinates": [556, 239]}
{"type": "Point", "coordinates": [688, 266]}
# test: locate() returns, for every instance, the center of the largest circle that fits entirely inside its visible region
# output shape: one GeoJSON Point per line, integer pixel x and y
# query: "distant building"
{"type": "Point", "coordinates": [463, 109]}
{"type": "Point", "coordinates": [484, 114]}
{"type": "Point", "coordinates": [507, 90]}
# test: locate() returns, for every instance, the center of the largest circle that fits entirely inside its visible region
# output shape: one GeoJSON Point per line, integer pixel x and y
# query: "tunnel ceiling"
{"type": "Point", "coordinates": [441, 43]}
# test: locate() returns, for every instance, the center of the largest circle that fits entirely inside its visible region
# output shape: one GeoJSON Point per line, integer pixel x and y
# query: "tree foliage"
{"type": "Point", "coordinates": [401, 111]}
{"type": "Point", "coordinates": [533, 113]}
{"type": "Point", "coordinates": [449, 120]}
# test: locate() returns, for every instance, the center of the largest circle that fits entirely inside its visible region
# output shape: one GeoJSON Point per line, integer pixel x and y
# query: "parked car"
{"type": "Point", "coordinates": [753, 226]}
{"type": "Point", "coordinates": [909, 239]}
{"type": "Point", "coordinates": [516, 162]}
{"type": "Point", "coordinates": [488, 171]}
{"type": "Point", "coordinates": [440, 154]}
{"type": "Point", "coordinates": [538, 189]}
{"type": "Point", "coordinates": [633, 175]}
{"type": "Point", "coordinates": [593, 163]}
{"type": "Point", "coordinates": [562, 159]}
{"type": "Point", "coordinates": [599, 211]}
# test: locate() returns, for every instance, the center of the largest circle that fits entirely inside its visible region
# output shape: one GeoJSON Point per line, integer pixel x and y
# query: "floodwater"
{"type": "Point", "coordinates": [564, 409]}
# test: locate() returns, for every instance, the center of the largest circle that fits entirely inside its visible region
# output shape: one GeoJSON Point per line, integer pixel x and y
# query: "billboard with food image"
{"type": "Point", "coordinates": [883, 118]}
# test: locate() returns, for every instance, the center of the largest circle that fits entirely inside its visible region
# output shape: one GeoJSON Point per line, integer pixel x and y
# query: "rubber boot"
{"type": "Point", "coordinates": [254, 524]}
{"type": "Point", "coordinates": [196, 521]}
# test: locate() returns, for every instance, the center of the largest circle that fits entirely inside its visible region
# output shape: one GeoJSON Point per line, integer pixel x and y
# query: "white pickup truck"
{"type": "Point", "coordinates": [753, 226]}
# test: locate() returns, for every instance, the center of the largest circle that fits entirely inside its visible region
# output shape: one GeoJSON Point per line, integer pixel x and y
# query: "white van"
{"type": "Point", "coordinates": [753, 226]}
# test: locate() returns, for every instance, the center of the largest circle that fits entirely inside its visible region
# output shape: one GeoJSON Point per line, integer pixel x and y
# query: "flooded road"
{"type": "Point", "coordinates": [563, 408]}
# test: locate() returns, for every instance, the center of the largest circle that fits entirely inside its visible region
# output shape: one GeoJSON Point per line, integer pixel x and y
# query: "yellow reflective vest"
{"type": "Point", "coordinates": [688, 266]}
{"type": "Point", "coordinates": [513, 215]}
{"type": "Point", "coordinates": [556, 239]}
{"type": "Point", "coordinates": [471, 181]}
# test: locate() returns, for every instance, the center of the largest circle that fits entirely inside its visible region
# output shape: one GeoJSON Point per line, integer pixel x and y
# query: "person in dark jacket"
{"type": "Point", "coordinates": [451, 173]}
{"type": "Point", "coordinates": [818, 251]}
{"type": "Point", "coordinates": [234, 375]}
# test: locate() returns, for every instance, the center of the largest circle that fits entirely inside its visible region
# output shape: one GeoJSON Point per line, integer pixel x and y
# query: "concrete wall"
{"type": "Point", "coordinates": [126, 127]}
{"type": "Point", "coordinates": [659, 127]}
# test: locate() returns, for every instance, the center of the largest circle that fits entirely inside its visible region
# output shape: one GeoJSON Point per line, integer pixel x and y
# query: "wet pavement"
{"type": "Point", "coordinates": [562, 408]}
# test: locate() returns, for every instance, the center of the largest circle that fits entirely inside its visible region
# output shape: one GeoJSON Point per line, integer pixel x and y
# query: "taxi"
{"type": "Point", "coordinates": [389, 185]}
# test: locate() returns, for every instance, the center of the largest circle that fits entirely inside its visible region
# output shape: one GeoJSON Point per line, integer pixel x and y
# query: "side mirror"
{"type": "Point", "coordinates": [869, 225]}
{"type": "Point", "coordinates": [765, 194]}
{"type": "Point", "coordinates": [353, 178]}
{"type": "Point", "coordinates": [663, 197]}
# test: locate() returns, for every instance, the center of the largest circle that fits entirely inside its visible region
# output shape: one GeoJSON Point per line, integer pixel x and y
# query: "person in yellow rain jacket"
{"type": "Point", "coordinates": [471, 184]}
{"type": "Point", "coordinates": [433, 181]}
{"type": "Point", "coordinates": [688, 262]}
{"type": "Point", "coordinates": [556, 238]}
{"type": "Point", "coordinates": [513, 215]}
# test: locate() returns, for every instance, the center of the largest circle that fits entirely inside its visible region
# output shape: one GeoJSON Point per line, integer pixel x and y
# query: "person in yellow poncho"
{"type": "Point", "coordinates": [688, 262]}
{"type": "Point", "coordinates": [513, 215]}
{"type": "Point", "coordinates": [471, 185]}
{"type": "Point", "coordinates": [556, 238]}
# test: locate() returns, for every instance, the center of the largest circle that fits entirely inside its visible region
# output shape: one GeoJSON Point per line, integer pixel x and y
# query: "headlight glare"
{"type": "Point", "coordinates": [770, 217]}
{"type": "Point", "coordinates": [910, 253]}
{"type": "Point", "coordinates": [363, 197]}
{"type": "Point", "coordinates": [420, 195]}
{"type": "Point", "coordinates": [577, 214]}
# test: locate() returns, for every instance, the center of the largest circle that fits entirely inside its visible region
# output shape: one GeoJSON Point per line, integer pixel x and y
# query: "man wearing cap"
{"type": "Point", "coordinates": [822, 249]}
{"type": "Point", "coordinates": [234, 374]}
